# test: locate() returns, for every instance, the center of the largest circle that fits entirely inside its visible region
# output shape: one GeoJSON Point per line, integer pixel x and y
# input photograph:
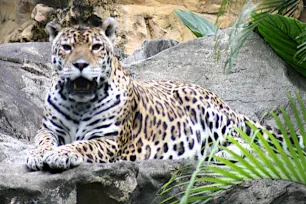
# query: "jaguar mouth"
{"type": "Point", "coordinates": [82, 86]}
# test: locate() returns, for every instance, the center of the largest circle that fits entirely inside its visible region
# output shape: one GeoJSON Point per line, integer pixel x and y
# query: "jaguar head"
{"type": "Point", "coordinates": [82, 57]}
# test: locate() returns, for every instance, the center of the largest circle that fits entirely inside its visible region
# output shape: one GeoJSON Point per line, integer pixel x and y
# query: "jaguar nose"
{"type": "Point", "coordinates": [80, 65]}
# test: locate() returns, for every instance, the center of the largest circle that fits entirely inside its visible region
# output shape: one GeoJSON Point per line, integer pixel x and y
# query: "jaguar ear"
{"type": "Point", "coordinates": [53, 28]}
{"type": "Point", "coordinates": [109, 26]}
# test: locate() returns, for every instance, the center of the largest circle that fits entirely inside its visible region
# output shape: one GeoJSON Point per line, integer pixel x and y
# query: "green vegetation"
{"type": "Point", "coordinates": [199, 26]}
{"type": "Point", "coordinates": [282, 33]}
{"type": "Point", "coordinates": [287, 36]}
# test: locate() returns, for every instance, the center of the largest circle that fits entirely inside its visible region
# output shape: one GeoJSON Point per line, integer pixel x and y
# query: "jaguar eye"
{"type": "Point", "coordinates": [96, 47]}
{"type": "Point", "coordinates": [66, 47]}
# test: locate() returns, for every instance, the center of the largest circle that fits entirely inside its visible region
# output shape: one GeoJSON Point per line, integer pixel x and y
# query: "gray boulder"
{"type": "Point", "coordinates": [148, 49]}
{"type": "Point", "coordinates": [262, 192]}
{"type": "Point", "coordinates": [24, 78]}
{"type": "Point", "coordinates": [124, 182]}
{"type": "Point", "coordinates": [13, 151]}
{"type": "Point", "coordinates": [258, 83]}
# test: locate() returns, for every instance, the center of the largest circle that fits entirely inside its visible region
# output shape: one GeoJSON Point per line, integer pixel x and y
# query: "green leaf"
{"type": "Point", "coordinates": [303, 109]}
{"type": "Point", "coordinates": [225, 173]}
{"type": "Point", "coordinates": [238, 35]}
{"type": "Point", "coordinates": [296, 154]}
{"type": "Point", "coordinates": [260, 11]}
{"type": "Point", "coordinates": [300, 126]}
{"type": "Point", "coordinates": [214, 187]}
{"type": "Point", "coordinates": [282, 33]}
{"type": "Point", "coordinates": [256, 162]}
{"type": "Point", "coordinates": [266, 148]}
{"type": "Point", "coordinates": [198, 169]}
{"type": "Point", "coordinates": [284, 155]}
{"type": "Point", "coordinates": [235, 167]}
{"type": "Point", "coordinates": [198, 25]}
{"type": "Point", "coordinates": [279, 162]}
{"type": "Point", "coordinates": [193, 199]}
{"type": "Point", "coordinates": [240, 159]}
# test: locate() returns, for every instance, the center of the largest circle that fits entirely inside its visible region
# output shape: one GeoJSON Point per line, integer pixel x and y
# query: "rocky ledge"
{"type": "Point", "coordinates": [258, 83]}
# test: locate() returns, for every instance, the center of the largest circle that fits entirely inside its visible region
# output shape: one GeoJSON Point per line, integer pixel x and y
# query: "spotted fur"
{"type": "Point", "coordinates": [121, 119]}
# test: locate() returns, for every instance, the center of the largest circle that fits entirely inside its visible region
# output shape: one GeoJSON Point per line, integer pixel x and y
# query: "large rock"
{"type": "Point", "coordinates": [148, 49]}
{"type": "Point", "coordinates": [124, 182]}
{"type": "Point", "coordinates": [263, 192]}
{"type": "Point", "coordinates": [259, 82]}
{"type": "Point", "coordinates": [13, 151]}
{"type": "Point", "coordinates": [24, 79]}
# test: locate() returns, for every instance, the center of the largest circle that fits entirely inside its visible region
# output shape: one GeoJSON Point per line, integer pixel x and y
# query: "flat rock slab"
{"type": "Point", "coordinates": [263, 192]}
{"type": "Point", "coordinates": [12, 150]}
{"type": "Point", "coordinates": [38, 52]}
{"type": "Point", "coordinates": [123, 182]}
{"type": "Point", "coordinates": [148, 49]}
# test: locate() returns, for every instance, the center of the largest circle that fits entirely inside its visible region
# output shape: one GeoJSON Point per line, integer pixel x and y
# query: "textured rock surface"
{"type": "Point", "coordinates": [16, 23]}
{"type": "Point", "coordinates": [138, 20]}
{"type": "Point", "coordinates": [123, 182]}
{"type": "Point", "coordinates": [42, 13]}
{"type": "Point", "coordinates": [13, 150]}
{"type": "Point", "coordinates": [148, 49]}
{"type": "Point", "coordinates": [263, 192]}
{"type": "Point", "coordinates": [259, 82]}
{"type": "Point", "coordinates": [24, 79]}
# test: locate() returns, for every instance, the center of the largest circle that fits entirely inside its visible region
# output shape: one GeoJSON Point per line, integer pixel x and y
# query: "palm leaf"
{"type": "Point", "coordinates": [301, 52]}
{"type": "Point", "coordinates": [303, 110]}
{"type": "Point", "coordinates": [199, 26]}
{"type": "Point", "coordinates": [282, 35]}
{"type": "Point", "coordinates": [198, 169]}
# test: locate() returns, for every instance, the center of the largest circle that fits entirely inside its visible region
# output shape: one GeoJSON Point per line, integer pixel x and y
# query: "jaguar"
{"type": "Point", "coordinates": [96, 112]}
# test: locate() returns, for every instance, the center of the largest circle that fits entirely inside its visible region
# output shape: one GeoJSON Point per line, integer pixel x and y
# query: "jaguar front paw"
{"type": "Point", "coordinates": [35, 160]}
{"type": "Point", "coordinates": [62, 158]}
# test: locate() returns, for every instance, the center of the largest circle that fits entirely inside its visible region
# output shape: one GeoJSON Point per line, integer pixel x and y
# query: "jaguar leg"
{"type": "Point", "coordinates": [92, 151]}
